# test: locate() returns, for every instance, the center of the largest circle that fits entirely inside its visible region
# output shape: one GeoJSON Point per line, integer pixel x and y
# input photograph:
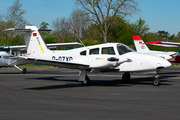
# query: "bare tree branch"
{"type": "Point", "coordinates": [101, 10]}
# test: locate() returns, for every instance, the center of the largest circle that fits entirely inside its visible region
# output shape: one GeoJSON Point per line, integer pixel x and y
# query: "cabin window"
{"type": "Point", "coordinates": [94, 51]}
{"type": "Point", "coordinates": [108, 50]}
{"type": "Point", "coordinates": [122, 49]}
{"type": "Point", "coordinates": [83, 53]}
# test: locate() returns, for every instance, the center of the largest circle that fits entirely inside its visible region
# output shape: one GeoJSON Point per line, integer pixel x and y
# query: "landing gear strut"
{"type": "Point", "coordinates": [126, 77]}
{"type": "Point", "coordinates": [24, 70]}
{"type": "Point", "coordinates": [83, 78]}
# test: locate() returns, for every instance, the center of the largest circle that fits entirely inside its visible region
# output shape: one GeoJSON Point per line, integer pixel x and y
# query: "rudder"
{"type": "Point", "coordinates": [35, 44]}
{"type": "Point", "coordinates": [139, 44]}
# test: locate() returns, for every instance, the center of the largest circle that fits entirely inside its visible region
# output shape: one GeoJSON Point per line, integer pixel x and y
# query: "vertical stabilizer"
{"type": "Point", "coordinates": [35, 44]}
{"type": "Point", "coordinates": [139, 44]}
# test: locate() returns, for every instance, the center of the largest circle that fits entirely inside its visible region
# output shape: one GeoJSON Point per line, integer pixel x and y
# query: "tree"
{"type": "Point", "coordinates": [61, 28]}
{"type": "Point", "coordinates": [101, 10]}
{"type": "Point", "coordinates": [163, 33]}
{"type": "Point", "coordinates": [47, 36]}
{"type": "Point", "coordinates": [121, 31]}
{"type": "Point", "coordinates": [140, 27]}
{"type": "Point", "coordinates": [171, 37]}
{"type": "Point", "coordinates": [79, 22]}
{"type": "Point", "coordinates": [178, 35]}
{"type": "Point", "coordinates": [14, 16]}
{"type": "Point", "coordinates": [44, 25]}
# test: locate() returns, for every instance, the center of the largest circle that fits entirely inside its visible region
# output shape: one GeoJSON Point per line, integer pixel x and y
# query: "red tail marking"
{"type": "Point", "coordinates": [153, 42]}
{"type": "Point", "coordinates": [136, 37]}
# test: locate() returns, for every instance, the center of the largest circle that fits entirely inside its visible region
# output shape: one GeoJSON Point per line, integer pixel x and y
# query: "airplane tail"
{"type": "Point", "coordinates": [139, 44]}
{"type": "Point", "coordinates": [35, 44]}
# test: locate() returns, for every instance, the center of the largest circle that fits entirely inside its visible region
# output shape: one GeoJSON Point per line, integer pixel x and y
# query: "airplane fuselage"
{"type": "Point", "coordinates": [97, 58]}
{"type": "Point", "coordinates": [6, 61]}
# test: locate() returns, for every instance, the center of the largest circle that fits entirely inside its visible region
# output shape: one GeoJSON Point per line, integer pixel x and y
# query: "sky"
{"type": "Point", "coordinates": [158, 14]}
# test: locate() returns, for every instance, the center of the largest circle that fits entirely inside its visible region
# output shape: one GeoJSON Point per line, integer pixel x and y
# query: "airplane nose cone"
{"type": "Point", "coordinates": [156, 62]}
{"type": "Point", "coordinates": [167, 57]}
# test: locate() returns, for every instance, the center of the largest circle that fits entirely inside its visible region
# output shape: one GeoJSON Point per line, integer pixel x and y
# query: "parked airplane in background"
{"type": "Point", "coordinates": [9, 52]}
{"type": "Point", "coordinates": [141, 47]}
{"type": "Point", "coordinates": [96, 58]}
{"type": "Point", "coordinates": [176, 57]}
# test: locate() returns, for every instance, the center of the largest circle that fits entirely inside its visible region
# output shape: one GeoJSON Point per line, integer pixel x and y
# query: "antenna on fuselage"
{"type": "Point", "coordinates": [81, 42]}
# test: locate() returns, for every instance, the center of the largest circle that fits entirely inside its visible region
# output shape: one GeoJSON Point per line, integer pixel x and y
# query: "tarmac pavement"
{"type": "Point", "coordinates": [55, 94]}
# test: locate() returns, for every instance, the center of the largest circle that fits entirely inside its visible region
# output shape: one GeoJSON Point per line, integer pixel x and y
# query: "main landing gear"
{"type": "Point", "coordinates": [126, 77]}
{"type": "Point", "coordinates": [24, 70]}
{"type": "Point", "coordinates": [83, 78]}
{"type": "Point", "coordinates": [86, 82]}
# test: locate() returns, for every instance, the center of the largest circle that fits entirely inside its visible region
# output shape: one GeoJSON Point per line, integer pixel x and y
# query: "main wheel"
{"type": "Point", "coordinates": [24, 70]}
{"type": "Point", "coordinates": [126, 77]}
{"type": "Point", "coordinates": [156, 82]}
{"type": "Point", "coordinates": [86, 82]}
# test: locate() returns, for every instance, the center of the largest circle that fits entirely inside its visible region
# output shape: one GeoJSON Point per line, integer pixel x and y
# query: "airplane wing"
{"type": "Point", "coordinates": [54, 63]}
{"type": "Point", "coordinates": [50, 46]}
{"type": "Point", "coordinates": [164, 44]}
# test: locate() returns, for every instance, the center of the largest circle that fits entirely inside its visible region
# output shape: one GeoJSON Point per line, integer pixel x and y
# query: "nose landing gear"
{"type": "Point", "coordinates": [156, 81]}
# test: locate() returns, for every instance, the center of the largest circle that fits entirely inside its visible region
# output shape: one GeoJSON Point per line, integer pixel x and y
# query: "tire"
{"type": "Point", "coordinates": [126, 77]}
{"type": "Point", "coordinates": [156, 82]}
{"type": "Point", "coordinates": [86, 82]}
{"type": "Point", "coordinates": [24, 71]}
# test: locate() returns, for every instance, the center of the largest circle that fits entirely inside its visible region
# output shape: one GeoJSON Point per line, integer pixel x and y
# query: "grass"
{"type": "Point", "coordinates": [175, 65]}
{"type": "Point", "coordinates": [34, 65]}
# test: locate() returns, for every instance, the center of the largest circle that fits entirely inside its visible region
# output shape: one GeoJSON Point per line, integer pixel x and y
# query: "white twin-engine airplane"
{"type": "Point", "coordinates": [141, 47]}
{"type": "Point", "coordinates": [96, 58]}
{"type": "Point", "coordinates": [9, 52]}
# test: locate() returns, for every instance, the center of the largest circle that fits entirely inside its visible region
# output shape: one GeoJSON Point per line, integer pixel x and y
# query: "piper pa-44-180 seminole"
{"type": "Point", "coordinates": [8, 52]}
{"type": "Point", "coordinates": [95, 58]}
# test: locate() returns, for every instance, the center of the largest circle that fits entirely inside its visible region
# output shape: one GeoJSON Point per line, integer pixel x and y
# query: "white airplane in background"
{"type": "Point", "coordinates": [176, 58]}
{"type": "Point", "coordinates": [9, 52]}
{"type": "Point", "coordinates": [141, 47]}
{"type": "Point", "coordinates": [96, 58]}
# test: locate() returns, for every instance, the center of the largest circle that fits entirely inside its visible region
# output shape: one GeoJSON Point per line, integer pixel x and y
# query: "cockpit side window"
{"type": "Point", "coordinates": [83, 53]}
{"type": "Point", "coordinates": [108, 50]}
{"type": "Point", "coordinates": [122, 49]}
{"type": "Point", "coordinates": [94, 51]}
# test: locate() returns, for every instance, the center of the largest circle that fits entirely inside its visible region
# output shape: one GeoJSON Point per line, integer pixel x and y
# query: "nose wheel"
{"type": "Point", "coordinates": [156, 81]}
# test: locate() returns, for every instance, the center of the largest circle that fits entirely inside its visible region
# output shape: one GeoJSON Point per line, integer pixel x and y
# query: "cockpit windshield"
{"type": "Point", "coordinates": [122, 49]}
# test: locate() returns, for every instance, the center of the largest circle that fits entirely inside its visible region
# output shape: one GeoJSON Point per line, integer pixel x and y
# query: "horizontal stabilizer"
{"type": "Point", "coordinates": [19, 30]}
{"type": "Point", "coordinates": [26, 30]}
